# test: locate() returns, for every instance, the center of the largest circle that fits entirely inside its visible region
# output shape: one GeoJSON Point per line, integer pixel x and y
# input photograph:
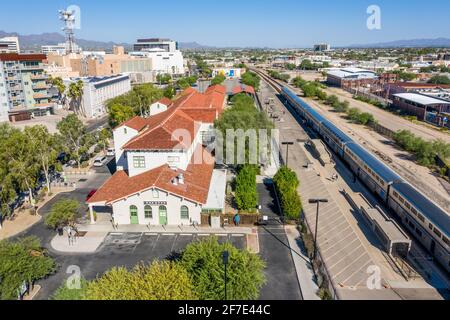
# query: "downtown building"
{"type": "Point", "coordinates": [9, 45]}
{"type": "Point", "coordinates": [24, 87]}
{"type": "Point", "coordinates": [165, 175]}
{"type": "Point", "coordinates": [98, 90]}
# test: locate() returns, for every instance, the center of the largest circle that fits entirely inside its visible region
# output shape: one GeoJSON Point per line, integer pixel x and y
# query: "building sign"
{"type": "Point", "coordinates": [155, 203]}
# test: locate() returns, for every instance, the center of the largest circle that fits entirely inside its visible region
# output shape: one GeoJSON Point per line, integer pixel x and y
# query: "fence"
{"type": "Point", "coordinates": [382, 130]}
{"type": "Point", "coordinates": [247, 219]}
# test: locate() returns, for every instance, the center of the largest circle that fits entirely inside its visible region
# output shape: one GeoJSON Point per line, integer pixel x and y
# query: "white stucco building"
{"type": "Point", "coordinates": [98, 90]}
{"type": "Point", "coordinates": [165, 175]}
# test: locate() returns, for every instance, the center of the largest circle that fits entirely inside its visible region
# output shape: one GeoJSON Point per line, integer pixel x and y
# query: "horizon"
{"type": "Point", "coordinates": [99, 23]}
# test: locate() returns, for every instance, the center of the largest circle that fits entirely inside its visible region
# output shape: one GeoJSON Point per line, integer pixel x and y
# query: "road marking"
{"type": "Point", "coordinates": [186, 234]}
{"type": "Point", "coordinates": [167, 234]}
{"type": "Point", "coordinates": [238, 235]}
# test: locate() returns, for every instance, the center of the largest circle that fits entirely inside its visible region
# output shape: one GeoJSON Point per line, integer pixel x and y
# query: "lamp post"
{"type": "Point", "coordinates": [287, 144]}
{"type": "Point", "coordinates": [317, 201]}
{"type": "Point", "coordinates": [225, 256]}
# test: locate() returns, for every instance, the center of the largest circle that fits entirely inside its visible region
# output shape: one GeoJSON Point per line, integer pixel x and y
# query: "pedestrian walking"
{"type": "Point", "coordinates": [237, 220]}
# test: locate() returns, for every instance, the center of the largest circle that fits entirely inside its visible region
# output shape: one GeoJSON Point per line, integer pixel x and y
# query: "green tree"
{"type": "Point", "coordinates": [45, 148]}
{"type": "Point", "coordinates": [219, 79]}
{"type": "Point", "coordinates": [58, 83]}
{"type": "Point", "coordinates": [23, 165]}
{"type": "Point", "coordinates": [74, 133]}
{"type": "Point", "coordinates": [169, 92]}
{"type": "Point", "coordinates": [76, 91]}
{"type": "Point", "coordinates": [62, 213]}
{"type": "Point", "coordinates": [286, 184]}
{"type": "Point", "coordinates": [203, 261]}
{"type": "Point", "coordinates": [440, 80]}
{"type": "Point", "coordinates": [119, 113]}
{"type": "Point", "coordinates": [163, 280]}
{"type": "Point", "coordinates": [64, 292]}
{"type": "Point", "coordinates": [163, 78]}
{"type": "Point", "coordinates": [22, 261]}
{"type": "Point", "coordinates": [104, 138]}
{"type": "Point", "coordinates": [246, 195]}
{"type": "Point", "coordinates": [251, 79]}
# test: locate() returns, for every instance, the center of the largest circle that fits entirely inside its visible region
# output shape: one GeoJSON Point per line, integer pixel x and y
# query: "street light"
{"type": "Point", "coordinates": [287, 144]}
{"type": "Point", "coordinates": [225, 256]}
{"type": "Point", "coordinates": [317, 201]}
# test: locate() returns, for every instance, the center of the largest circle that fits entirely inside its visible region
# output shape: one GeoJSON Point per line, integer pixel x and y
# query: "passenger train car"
{"type": "Point", "coordinates": [429, 223]}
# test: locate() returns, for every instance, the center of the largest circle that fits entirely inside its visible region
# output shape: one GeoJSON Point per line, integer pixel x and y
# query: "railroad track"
{"type": "Point", "coordinates": [397, 167]}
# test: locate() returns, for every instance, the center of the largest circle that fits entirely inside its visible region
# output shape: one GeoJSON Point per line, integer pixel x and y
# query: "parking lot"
{"type": "Point", "coordinates": [128, 250]}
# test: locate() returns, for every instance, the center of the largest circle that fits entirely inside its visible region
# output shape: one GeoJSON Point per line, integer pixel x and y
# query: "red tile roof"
{"type": "Point", "coordinates": [165, 101]}
{"type": "Point", "coordinates": [243, 88]}
{"type": "Point", "coordinates": [187, 112]}
{"type": "Point", "coordinates": [197, 179]}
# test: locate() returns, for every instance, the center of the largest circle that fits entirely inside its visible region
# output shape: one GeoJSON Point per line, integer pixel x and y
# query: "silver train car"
{"type": "Point", "coordinates": [429, 223]}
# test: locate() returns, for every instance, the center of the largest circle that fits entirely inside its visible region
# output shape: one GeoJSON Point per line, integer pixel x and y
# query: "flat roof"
{"type": "Point", "coordinates": [389, 227]}
{"type": "Point", "coordinates": [217, 189]}
{"type": "Point", "coordinates": [420, 99]}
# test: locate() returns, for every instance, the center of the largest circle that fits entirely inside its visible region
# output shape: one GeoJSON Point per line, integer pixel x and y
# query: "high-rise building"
{"type": "Point", "coordinates": [24, 87]}
{"type": "Point", "coordinates": [9, 45]}
{"type": "Point", "coordinates": [322, 47]}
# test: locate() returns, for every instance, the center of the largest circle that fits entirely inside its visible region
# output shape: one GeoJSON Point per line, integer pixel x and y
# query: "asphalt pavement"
{"type": "Point", "coordinates": [282, 281]}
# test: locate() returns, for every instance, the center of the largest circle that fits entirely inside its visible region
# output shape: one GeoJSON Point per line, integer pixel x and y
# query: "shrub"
{"type": "Point", "coordinates": [203, 261]}
{"type": "Point", "coordinates": [62, 213]}
{"type": "Point", "coordinates": [162, 280]}
{"type": "Point", "coordinates": [286, 184]}
{"type": "Point", "coordinates": [246, 194]}
{"type": "Point", "coordinates": [64, 292]}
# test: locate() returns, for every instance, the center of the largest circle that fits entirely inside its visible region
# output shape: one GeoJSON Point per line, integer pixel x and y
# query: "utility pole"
{"type": "Point", "coordinates": [317, 201]}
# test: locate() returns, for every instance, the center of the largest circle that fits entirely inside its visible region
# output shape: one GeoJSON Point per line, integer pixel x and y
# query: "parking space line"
{"type": "Point", "coordinates": [173, 243]}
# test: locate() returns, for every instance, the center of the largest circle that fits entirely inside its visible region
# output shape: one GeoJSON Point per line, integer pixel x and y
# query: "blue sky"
{"type": "Point", "coordinates": [273, 23]}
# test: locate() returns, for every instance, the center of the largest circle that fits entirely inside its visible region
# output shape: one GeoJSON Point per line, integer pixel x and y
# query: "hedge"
{"type": "Point", "coordinates": [286, 184]}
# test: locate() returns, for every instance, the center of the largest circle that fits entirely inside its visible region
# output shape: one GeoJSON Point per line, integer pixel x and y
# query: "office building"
{"type": "Point", "coordinates": [322, 47]}
{"type": "Point", "coordinates": [166, 45]}
{"type": "Point", "coordinates": [9, 45]}
{"type": "Point", "coordinates": [98, 90]}
{"type": "Point", "coordinates": [24, 87]}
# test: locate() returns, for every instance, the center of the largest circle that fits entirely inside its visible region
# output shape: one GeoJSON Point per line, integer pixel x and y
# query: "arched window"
{"type": "Point", "coordinates": [133, 210]}
{"type": "Point", "coordinates": [148, 212]}
{"type": "Point", "coordinates": [184, 212]}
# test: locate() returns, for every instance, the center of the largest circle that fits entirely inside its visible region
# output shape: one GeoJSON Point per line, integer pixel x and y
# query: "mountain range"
{"type": "Point", "coordinates": [414, 43]}
{"type": "Point", "coordinates": [35, 41]}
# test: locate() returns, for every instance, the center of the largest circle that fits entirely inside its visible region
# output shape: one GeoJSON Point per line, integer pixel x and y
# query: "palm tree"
{"type": "Point", "coordinates": [58, 83]}
{"type": "Point", "coordinates": [76, 94]}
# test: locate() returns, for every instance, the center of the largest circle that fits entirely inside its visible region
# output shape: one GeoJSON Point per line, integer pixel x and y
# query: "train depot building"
{"type": "Point", "coordinates": [165, 175]}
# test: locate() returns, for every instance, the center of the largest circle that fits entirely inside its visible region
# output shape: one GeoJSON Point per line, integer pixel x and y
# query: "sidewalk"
{"type": "Point", "coordinates": [86, 244]}
{"type": "Point", "coordinates": [163, 229]}
{"type": "Point", "coordinates": [302, 264]}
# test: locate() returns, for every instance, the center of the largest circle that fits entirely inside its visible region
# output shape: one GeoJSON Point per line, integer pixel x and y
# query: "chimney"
{"type": "Point", "coordinates": [181, 178]}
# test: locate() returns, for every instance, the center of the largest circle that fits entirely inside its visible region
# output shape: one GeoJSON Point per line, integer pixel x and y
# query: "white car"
{"type": "Point", "coordinates": [111, 152]}
{"type": "Point", "coordinates": [99, 162]}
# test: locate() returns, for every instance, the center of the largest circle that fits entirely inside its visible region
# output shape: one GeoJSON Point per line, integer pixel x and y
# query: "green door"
{"type": "Point", "coordinates": [162, 215]}
{"type": "Point", "coordinates": [134, 219]}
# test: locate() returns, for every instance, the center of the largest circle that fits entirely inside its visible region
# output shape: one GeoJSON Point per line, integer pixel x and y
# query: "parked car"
{"type": "Point", "coordinates": [99, 162]}
{"type": "Point", "coordinates": [111, 152]}
{"type": "Point", "coordinates": [91, 194]}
